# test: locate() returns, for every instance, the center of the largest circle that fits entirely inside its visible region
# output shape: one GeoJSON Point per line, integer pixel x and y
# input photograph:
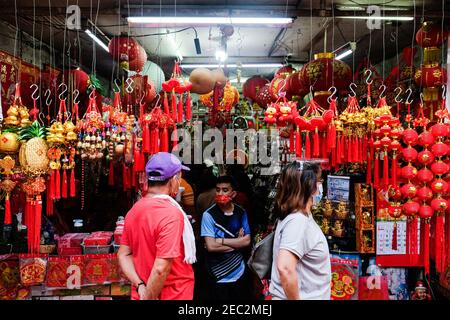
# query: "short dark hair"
{"type": "Point", "coordinates": [227, 179]}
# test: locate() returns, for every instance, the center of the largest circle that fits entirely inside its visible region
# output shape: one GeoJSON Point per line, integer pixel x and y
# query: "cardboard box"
{"type": "Point", "coordinates": [100, 238]}
{"type": "Point", "coordinates": [70, 243]}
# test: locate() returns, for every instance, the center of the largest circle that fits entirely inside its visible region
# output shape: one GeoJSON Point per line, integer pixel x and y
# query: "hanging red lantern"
{"type": "Point", "coordinates": [439, 186]}
{"type": "Point", "coordinates": [409, 190]}
{"type": "Point", "coordinates": [439, 204]}
{"type": "Point", "coordinates": [263, 98]}
{"type": "Point", "coordinates": [430, 35]}
{"type": "Point", "coordinates": [295, 85]}
{"type": "Point", "coordinates": [439, 168]}
{"type": "Point", "coordinates": [284, 71]}
{"type": "Point", "coordinates": [425, 193]}
{"type": "Point", "coordinates": [425, 175]}
{"type": "Point", "coordinates": [431, 75]}
{"type": "Point", "coordinates": [252, 86]}
{"type": "Point", "coordinates": [409, 172]}
{"type": "Point", "coordinates": [410, 208]}
{"type": "Point", "coordinates": [138, 63]}
{"type": "Point", "coordinates": [279, 85]}
{"type": "Point", "coordinates": [439, 149]}
{"type": "Point", "coordinates": [79, 77]}
{"type": "Point", "coordinates": [440, 130]}
{"type": "Point", "coordinates": [409, 154]}
{"type": "Point", "coordinates": [425, 157]}
{"type": "Point", "coordinates": [426, 139]}
{"type": "Point", "coordinates": [124, 49]}
{"type": "Point", "coordinates": [425, 212]}
{"type": "Point", "coordinates": [410, 136]}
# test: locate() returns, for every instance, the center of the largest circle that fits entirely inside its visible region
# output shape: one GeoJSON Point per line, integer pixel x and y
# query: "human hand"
{"type": "Point", "coordinates": [142, 291]}
{"type": "Point", "coordinates": [241, 233]}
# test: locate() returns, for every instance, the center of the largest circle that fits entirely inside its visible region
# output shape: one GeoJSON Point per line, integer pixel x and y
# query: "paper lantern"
{"type": "Point", "coordinates": [409, 172]}
{"type": "Point", "coordinates": [252, 86]}
{"type": "Point", "coordinates": [439, 186]}
{"type": "Point", "coordinates": [439, 149]}
{"type": "Point", "coordinates": [295, 85]}
{"type": "Point", "coordinates": [409, 154]}
{"type": "Point", "coordinates": [439, 168]}
{"type": "Point", "coordinates": [409, 190]}
{"type": "Point", "coordinates": [432, 75]}
{"type": "Point", "coordinates": [138, 63]}
{"type": "Point", "coordinates": [426, 139]}
{"type": "Point", "coordinates": [284, 71]}
{"type": "Point", "coordinates": [425, 157]}
{"type": "Point", "coordinates": [425, 175]}
{"type": "Point", "coordinates": [425, 193]}
{"type": "Point", "coordinates": [277, 85]}
{"type": "Point", "coordinates": [411, 208]}
{"type": "Point", "coordinates": [440, 130]}
{"type": "Point", "coordinates": [430, 35]}
{"type": "Point", "coordinates": [124, 49]}
{"type": "Point", "coordinates": [439, 204]}
{"type": "Point", "coordinates": [263, 98]}
{"type": "Point", "coordinates": [425, 212]}
{"type": "Point", "coordinates": [410, 136]}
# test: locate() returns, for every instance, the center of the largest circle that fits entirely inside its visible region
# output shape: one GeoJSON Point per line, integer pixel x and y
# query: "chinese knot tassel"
{"type": "Point", "coordinates": [386, 169]}
{"type": "Point", "coordinates": [116, 102]}
{"type": "Point", "coordinates": [394, 236]}
{"type": "Point", "coordinates": [426, 247]}
{"type": "Point", "coordinates": [57, 185]}
{"type": "Point", "coordinates": [180, 110]}
{"type": "Point", "coordinates": [8, 216]}
{"type": "Point", "coordinates": [369, 170]}
{"type": "Point", "coordinates": [51, 189]}
{"type": "Point", "coordinates": [111, 173]}
{"type": "Point", "coordinates": [64, 185]}
{"type": "Point", "coordinates": [164, 138]}
{"type": "Point", "coordinates": [141, 110]}
{"type": "Point", "coordinates": [291, 141]}
{"type": "Point", "coordinates": [439, 241]}
{"type": "Point", "coordinates": [72, 183]}
{"type": "Point", "coordinates": [174, 107]}
{"type": "Point", "coordinates": [49, 200]}
{"type": "Point", "coordinates": [376, 172]}
{"type": "Point", "coordinates": [29, 223]}
{"type": "Point", "coordinates": [307, 146]}
{"type": "Point", "coordinates": [331, 136]}
{"type": "Point", "coordinates": [166, 104]}
{"type": "Point", "coordinates": [146, 139]}
{"type": "Point", "coordinates": [394, 170]}
{"type": "Point", "coordinates": [324, 146]}
{"type": "Point", "coordinates": [348, 152]}
{"type": "Point", "coordinates": [316, 143]}
{"type": "Point", "coordinates": [343, 148]}
{"type": "Point", "coordinates": [188, 107]}
{"type": "Point", "coordinates": [364, 148]}
{"type": "Point", "coordinates": [338, 150]}
{"type": "Point", "coordinates": [125, 177]}
{"type": "Point", "coordinates": [298, 144]}
{"type": "Point", "coordinates": [154, 138]}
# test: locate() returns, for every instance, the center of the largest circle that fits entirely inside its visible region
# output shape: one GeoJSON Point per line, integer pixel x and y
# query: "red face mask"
{"type": "Point", "coordinates": [223, 199]}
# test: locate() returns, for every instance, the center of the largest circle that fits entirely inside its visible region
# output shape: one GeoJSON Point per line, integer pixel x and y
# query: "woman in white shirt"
{"type": "Point", "coordinates": [301, 266]}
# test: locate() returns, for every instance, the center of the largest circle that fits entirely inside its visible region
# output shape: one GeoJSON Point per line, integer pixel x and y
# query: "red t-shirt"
{"type": "Point", "coordinates": [154, 229]}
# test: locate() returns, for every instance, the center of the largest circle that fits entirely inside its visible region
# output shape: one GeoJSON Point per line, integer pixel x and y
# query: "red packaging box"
{"type": "Point", "coordinates": [118, 235]}
{"type": "Point", "coordinates": [70, 243]}
{"type": "Point", "coordinates": [99, 238]}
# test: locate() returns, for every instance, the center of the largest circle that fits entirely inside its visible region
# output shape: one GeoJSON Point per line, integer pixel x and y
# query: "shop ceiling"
{"type": "Point", "coordinates": [314, 21]}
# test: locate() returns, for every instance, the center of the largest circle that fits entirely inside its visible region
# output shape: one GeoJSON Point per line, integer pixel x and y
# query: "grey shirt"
{"type": "Point", "coordinates": [302, 236]}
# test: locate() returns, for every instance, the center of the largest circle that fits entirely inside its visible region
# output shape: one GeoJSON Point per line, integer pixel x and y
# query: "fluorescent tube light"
{"type": "Point", "coordinates": [96, 39]}
{"type": "Point", "coordinates": [244, 65]}
{"type": "Point", "coordinates": [391, 18]}
{"type": "Point", "coordinates": [221, 55]}
{"type": "Point", "coordinates": [209, 20]}
{"type": "Point", "coordinates": [344, 54]}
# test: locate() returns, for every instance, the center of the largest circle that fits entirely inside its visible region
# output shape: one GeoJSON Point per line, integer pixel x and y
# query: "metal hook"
{"type": "Point", "coordinates": [352, 90]}
{"type": "Point", "coordinates": [409, 96]}
{"type": "Point", "coordinates": [282, 87]}
{"type": "Point", "coordinates": [41, 118]}
{"type": "Point", "coordinates": [117, 85]}
{"type": "Point", "coordinates": [333, 93]}
{"type": "Point", "coordinates": [142, 98]}
{"type": "Point", "coordinates": [370, 75]}
{"type": "Point", "coordinates": [129, 87]}
{"type": "Point", "coordinates": [69, 115]}
{"type": "Point", "coordinates": [33, 95]}
{"type": "Point", "coordinates": [76, 94]}
{"type": "Point", "coordinates": [159, 98]}
{"type": "Point", "coordinates": [421, 98]}
{"type": "Point", "coordinates": [63, 92]}
{"type": "Point", "coordinates": [48, 94]}
{"type": "Point", "coordinates": [444, 91]}
{"type": "Point", "coordinates": [382, 92]}
{"type": "Point", "coordinates": [91, 95]}
{"type": "Point", "coordinates": [398, 95]}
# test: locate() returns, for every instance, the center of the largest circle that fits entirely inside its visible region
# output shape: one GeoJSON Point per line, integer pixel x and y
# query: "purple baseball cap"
{"type": "Point", "coordinates": [163, 166]}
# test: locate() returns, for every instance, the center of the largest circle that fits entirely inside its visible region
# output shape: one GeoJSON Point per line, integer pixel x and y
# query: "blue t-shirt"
{"type": "Point", "coordinates": [209, 229]}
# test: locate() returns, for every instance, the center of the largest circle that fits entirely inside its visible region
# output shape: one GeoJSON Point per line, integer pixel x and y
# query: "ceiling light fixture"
{"type": "Point", "coordinates": [209, 20]}
{"type": "Point", "coordinates": [233, 65]}
{"type": "Point", "coordinates": [96, 39]}
{"type": "Point", "coordinates": [391, 18]}
{"type": "Point", "coordinates": [344, 54]}
{"type": "Point", "coordinates": [351, 47]}
{"type": "Point", "coordinates": [221, 55]}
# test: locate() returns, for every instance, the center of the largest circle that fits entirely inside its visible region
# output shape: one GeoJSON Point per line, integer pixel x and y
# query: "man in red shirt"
{"type": "Point", "coordinates": [158, 246]}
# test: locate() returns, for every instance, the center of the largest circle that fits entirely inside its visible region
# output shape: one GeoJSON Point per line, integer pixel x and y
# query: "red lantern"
{"type": "Point", "coordinates": [409, 172]}
{"type": "Point", "coordinates": [410, 136]}
{"type": "Point", "coordinates": [277, 85]}
{"type": "Point", "coordinates": [430, 35]}
{"type": "Point", "coordinates": [425, 157]}
{"type": "Point", "coordinates": [426, 139]}
{"type": "Point", "coordinates": [439, 168]}
{"type": "Point", "coordinates": [439, 186]}
{"type": "Point", "coordinates": [425, 175]}
{"type": "Point", "coordinates": [439, 130]}
{"type": "Point", "coordinates": [439, 204]}
{"type": "Point", "coordinates": [263, 98]}
{"type": "Point", "coordinates": [411, 208]}
{"type": "Point", "coordinates": [138, 63]}
{"type": "Point", "coordinates": [395, 211]}
{"type": "Point", "coordinates": [124, 49]}
{"type": "Point", "coordinates": [295, 86]}
{"type": "Point", "coordinates": [325, 71]}
{"type": "Point", "coordinates": [394, 192]}
{"type": "Point", "coordinates": [439, 149]}
{"type": "Point", "coordinates": [425, 193]}
{"type": "Point", "coordinates": [409, 190]}
{"type": "Point", "coordinates": [284, 71]}
{"type": "Point", "coordinates": [409, 154]}
{"type": "Point", "coordinates": [425, 211]}
{"type": "Point", "coordinates": [431, 75]}
{"type": "Point", "coordinates": [79, 77]}
{"type": "Point", "coordinates": [252, 86]}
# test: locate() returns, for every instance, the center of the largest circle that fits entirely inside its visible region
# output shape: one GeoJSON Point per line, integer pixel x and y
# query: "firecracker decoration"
{"type": "Point", "coordinates": [7, 185]}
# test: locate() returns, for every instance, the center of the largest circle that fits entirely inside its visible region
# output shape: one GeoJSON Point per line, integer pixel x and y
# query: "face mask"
{"type": "Point", "coordinates": [223, 199]}
{"type": "Point", "coordinates": [318, 197]}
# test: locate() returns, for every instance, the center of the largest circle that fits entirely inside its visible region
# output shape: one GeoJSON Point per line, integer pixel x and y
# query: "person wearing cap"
{"type": "Point", "coordinates": [226, 232]}
{"type": "Point", "coordinates": [158, 245]}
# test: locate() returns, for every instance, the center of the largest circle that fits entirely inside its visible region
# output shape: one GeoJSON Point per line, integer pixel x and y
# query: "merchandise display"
{"type": "Point", "coordinates": [82, 114]}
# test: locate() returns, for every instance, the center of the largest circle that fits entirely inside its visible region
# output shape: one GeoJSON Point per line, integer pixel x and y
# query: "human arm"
{"type": "Point", "coordinates": [161, 269]}
{"type": "Point", "coordinates": [126, 263]}
{"type": "Point", "coordinates": [236, 243]}
{"type": "Point", "coordinates": [287, 268]}
{"type": "Point", "coordinates": [212, 245]}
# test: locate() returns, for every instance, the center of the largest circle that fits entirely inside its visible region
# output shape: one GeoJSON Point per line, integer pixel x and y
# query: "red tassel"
{"type": "Point", "coordinates": [316, 144]}
{"type": "Point", "coordinates": [72, 183]}
{"type": "Point", "coordinates": [38, 222]}
{"type": "Point", "coordinates": [116, 102]}
{"type": "Point", "coordinates": [332, 136]}
{"type": "Point", "coordinates": [49, 200]}
{"type": "Point", "coordinates": [51, 189]}
{"type": "Point", "coordinates": [364, 149]}
{"type": "Point", "coordinates": [298, 144]}
{"type": "Point", "coordinates": [154, 137]}
{"type": "Point", "coordinates": [141, 109]}
{"type": "Point", "coordinates": [188, 107]}
{"type": "Point", "coordinates": [426, 247]}
{"type": "Point", "coordinates": [369, 170]}
{"type": "Point", "coordinates": [439, 242]}
{"type": "Point", "coordinates": [414, 236]}
{"type": "Point", "coordinates": [291, 141]}
{"type": "Point", "coordinates": [57, 185]}
{"type": "Point", "coordinates": [64, 184]}
{"type": "Point", "coordinates": [307, 146]}
{"type": "Point", "coordinates": [394, 170]}
{"type": "Point", "coordinates": [164, 138]}
{"type": "Point", "coordinates": [324, 146]}
{"type": "Point", "coordinates": [8, 216]}
{"type": "Point", "coordinates": [111, 173]}
{"type": "Point", "coordinates": [166, 105]}
{"type": "Point", "coordinates": [386, 169]}
{"type": "Point", "coordinates": [447, 242]}
{"type": "Point", "coordinates": [394, 236]}
{"type": "Point", "coordinates": [376, 172]}
{"type": "Point", "coordinates": [344, 149]}
{"type": "Point", "coordinates": [180, 109]}
{"type": "Point", "coordinates": [339, 150]}
{"type": "Point", "coordinates": [146, 139]}
{"type": "Point", "coordinates": [333, 157]}
{"type": "Point", "coordinates": [124, 177]}
{"type": "Point", "coordinates": [174, 107]}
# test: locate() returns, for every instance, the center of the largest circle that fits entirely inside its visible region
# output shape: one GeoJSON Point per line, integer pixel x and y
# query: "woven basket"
{"type": "Point", "coordinates": [47, 248]}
